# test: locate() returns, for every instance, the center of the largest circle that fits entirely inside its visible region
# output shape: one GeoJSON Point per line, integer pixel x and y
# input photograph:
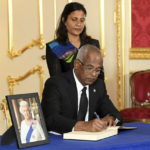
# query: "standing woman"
{"type": "Point", "coordinates": [70, 36]}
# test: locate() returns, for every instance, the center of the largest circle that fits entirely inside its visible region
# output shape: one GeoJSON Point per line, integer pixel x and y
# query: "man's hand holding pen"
{"type": "Point", "coordinates": [110, 120]}
{"type": "Point", "coordinates": [95, 125]}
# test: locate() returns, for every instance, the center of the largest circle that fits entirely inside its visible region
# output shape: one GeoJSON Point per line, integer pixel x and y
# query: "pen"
{"type": "Point", "coordinates": [97, 116]}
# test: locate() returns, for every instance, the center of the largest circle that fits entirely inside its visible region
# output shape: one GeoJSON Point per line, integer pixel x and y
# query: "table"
{"type": "Point", "coordinates": [136, 139]}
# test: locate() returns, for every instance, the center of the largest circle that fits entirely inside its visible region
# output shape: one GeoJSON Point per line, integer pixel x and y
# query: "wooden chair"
{"type": "Point", "coordinates": [140, 96]}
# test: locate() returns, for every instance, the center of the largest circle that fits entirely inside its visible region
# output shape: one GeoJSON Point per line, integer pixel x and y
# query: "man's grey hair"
{"type": "Point", "coordinates": [82, 52]}
{"type": "Point", "coordinates": [23, 104]}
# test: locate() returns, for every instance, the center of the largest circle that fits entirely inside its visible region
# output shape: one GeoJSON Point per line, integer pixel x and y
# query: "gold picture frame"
{"type": "Point", "coordinates": [136, 53]}
{"type": "Point", "coordinates": [40, 41]}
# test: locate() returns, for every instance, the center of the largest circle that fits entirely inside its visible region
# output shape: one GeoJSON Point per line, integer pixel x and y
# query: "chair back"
{"type": "Point", "coordinates": [140, 88]}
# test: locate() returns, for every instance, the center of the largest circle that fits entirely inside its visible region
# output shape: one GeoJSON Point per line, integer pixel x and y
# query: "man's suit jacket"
{"type": "Point", "coordinates": [59, 102]}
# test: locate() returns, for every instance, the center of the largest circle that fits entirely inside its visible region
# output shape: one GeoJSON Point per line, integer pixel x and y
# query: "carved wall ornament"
{"type": "Point", "coordinates": [12, 81]}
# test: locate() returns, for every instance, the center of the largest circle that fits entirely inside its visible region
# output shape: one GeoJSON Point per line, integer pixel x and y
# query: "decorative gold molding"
{"type": "Point", "coordinates": [103, 51]}
{"type": "Point", "coordinates": [119, 18]}
{"type": "Point", "coordinates": [102, 28]}
{"type": "Point", "coordinates": [133, 71]}
{"type": "Point", "coordinates": [40, 41]}
{"type": "Point", "coordinates": [4, 108]}
{"type": "Point", "coordinates": [139, 53]}
{"type": "Point", "coordinates": [123, 51]}
{"type": "Point", "coordinates": [136, 53]}
{"type": "Point", "coordinates": [118, 53]}
{"type": "Point", "coordinates": [13, 81]}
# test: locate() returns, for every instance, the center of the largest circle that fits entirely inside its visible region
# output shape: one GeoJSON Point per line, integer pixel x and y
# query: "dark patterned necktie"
{"type": "Point", "coordinates": [83, 106]}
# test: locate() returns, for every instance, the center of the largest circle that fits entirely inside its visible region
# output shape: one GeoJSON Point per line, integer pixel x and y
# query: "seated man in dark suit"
{"type": "Point", "coordinates": [67, 107]}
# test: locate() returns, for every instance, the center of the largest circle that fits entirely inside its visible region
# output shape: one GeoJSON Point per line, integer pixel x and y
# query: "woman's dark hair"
{"type": "Point", "coordinates": [61, 31]}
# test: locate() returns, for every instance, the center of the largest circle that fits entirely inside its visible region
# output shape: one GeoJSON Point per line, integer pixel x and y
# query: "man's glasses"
{"type": "Point", "coordinates": [90, 68]}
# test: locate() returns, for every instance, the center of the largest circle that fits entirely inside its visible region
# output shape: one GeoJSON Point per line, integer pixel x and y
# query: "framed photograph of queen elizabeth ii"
{"type": "Point", "coordinates": [27, 119]}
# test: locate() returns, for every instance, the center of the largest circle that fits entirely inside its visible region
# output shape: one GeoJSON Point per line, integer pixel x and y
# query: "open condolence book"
{"type": "Point", "coordinates": [94, 136]}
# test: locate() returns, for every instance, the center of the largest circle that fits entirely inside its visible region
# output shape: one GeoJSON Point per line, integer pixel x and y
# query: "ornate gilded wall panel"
{"type": "Point", "coordinates": [40, 41]}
